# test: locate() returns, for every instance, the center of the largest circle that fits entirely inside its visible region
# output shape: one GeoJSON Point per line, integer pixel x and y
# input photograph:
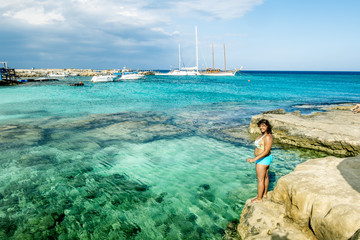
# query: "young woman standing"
{"type": "Point", "coordinates": [262, 158]}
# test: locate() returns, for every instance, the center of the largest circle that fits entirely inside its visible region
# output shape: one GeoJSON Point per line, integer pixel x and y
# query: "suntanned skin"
{"type": "Point", "coordinates": [356, 108]}
{"type": "Point", "coordinates": [262, 171]}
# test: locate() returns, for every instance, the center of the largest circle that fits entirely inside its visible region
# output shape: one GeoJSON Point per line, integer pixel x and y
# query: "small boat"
{"type": "Point", "coordinates": [128, 74]}
{"type": "Point", "coordinates": [189, 71]}
{"type": "Point", "coordinates": [57, 75]}
{"type": "Point", "coordinates": [185, 71]}
{"type": "Point", "coordinates": [218, 72]}
{"type": "Point", "coordinates": [77, 84]}
{"type": "Point", "coordinates": [103, 78]}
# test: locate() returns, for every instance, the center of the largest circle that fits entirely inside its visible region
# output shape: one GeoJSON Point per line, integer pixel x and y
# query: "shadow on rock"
{"type": "Point", "coordinates": [350, 170]}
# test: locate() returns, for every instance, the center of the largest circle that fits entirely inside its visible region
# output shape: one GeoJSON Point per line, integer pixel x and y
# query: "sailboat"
{"type": "Point", "coordinates": [185, 71]}
{"type": "Point", "coordinates": [195, 70]}
{"type": "Point", "coordinates": [217, 72]}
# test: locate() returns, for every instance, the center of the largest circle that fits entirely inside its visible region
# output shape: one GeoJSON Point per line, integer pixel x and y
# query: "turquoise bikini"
{"type": "Point", "coordinates": [265, 160]}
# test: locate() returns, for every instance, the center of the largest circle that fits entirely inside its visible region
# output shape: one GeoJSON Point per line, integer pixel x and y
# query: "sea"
{"type": "Point", "coordinates": [148, 159]}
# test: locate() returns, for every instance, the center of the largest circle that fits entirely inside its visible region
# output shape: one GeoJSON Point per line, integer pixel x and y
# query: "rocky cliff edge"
{"type": "Point", "coordinates": [335, 131]}
{"type": "Point", "coordinates": [319, 200]}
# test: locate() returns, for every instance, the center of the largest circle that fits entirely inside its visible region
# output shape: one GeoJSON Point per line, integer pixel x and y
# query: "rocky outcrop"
{"type": "Point", "coordinates": [335, 131]}
{"type": "Point", "coordinates": [319, 200]}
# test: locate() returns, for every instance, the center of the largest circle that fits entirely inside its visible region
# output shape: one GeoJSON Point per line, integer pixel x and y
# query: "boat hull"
{"type": "Point", "coordinates": [179, 73]}
{"type": "Point", "coordinates": [105, 78]}
{"type": "Point", "coordinates": [218, 74]}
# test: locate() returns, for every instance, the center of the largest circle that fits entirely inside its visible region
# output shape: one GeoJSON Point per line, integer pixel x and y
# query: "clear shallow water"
{"type": "Point", "coordinates": [142, 160]}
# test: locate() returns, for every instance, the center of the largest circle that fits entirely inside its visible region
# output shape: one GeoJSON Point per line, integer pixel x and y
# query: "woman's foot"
{"type": "Point", "coordinates": [256, 200]}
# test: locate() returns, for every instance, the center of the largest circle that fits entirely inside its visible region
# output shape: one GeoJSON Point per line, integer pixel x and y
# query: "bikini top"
{"type": "Point", "coordinates": [257, 143]}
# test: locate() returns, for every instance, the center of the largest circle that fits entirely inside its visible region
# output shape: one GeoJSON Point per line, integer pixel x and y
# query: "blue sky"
{"type": "Point", "coordinates": [107, 34]}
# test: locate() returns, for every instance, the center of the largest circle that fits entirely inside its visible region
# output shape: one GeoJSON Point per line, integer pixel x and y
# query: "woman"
{"type": "Point", "coordinates": [262, 158]}
{"type": "Point", "coordinates": [356, 108]}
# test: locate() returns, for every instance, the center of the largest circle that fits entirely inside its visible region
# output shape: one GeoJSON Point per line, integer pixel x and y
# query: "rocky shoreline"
{"type": "Point", "coordinates": [321, 198]}
{"type": "Point", "coordinates": [335, 131]}
{"type": "Point", "coordinates": [33, 73]}
{"type": "Point", "coordinates": [68, 72]}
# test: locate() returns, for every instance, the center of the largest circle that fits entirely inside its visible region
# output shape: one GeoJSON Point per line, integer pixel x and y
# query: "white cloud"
{"type": "Point", "coordinates": [162, 31]}
{"type": "Point", "coordinates": [90, 28]}
{"type": "Point", "coordinates": [35, 12]}
{"type": "Point", "coordinates": [36, 16]}
{"type": "Point", "coordinates": [226, 9]}
{"type": "Point", "coordinates": [124, 12]}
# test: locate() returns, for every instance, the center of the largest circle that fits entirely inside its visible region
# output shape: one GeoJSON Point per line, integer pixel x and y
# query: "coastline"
{"type": "Point", "coordinates": [320, 199]}
{"type": "Point", "coordinates": [69, 72]}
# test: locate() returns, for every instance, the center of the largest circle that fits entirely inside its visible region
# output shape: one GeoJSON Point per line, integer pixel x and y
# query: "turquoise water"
{"type": "Point", "coordinates": [143, 160]}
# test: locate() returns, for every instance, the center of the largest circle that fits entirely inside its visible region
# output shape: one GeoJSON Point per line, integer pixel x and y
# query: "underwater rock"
{"type": "Point", "coordinates": [131, 230]}
{"type": "Point", "coordinates": [192, 217]}
{"type": "Point", "coordinates": [38, 158]}
{"type": "Point", "coordinates": [71, 206]}
{"type": "Point", "coordinates": [237, 134]}
{"type": "Point", "coordinates": [18, 135]}
{"type": "Point", "coordinates": [134, 131]}
{"type": "Point", "coordinates": [205, 186]}
{"type": "Point", "coordinates": [231, 231]}
{"type": "Point", "coordinates": [160, 198]}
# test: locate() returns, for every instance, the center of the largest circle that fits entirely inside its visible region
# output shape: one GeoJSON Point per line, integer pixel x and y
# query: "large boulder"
{"type": "Point", "coordinates": [319, 200]}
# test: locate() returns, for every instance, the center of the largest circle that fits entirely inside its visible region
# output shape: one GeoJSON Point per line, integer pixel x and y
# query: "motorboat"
{"type": "Point", "coordinates": [57, 75]}
{"type": "Point", "coordinates": [128, 74]}
{"type": "Point", "coordinates": [103, 78]}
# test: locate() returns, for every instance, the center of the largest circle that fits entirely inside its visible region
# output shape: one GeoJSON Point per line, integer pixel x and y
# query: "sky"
{"type": "Point", "coordinates": [309, 35]}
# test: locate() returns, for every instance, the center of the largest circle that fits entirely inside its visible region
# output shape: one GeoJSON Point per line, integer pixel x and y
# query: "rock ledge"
{"type": "Point", "coordinates": [319, 200]}
{"type": "Point", "coordinates": [335, 131]}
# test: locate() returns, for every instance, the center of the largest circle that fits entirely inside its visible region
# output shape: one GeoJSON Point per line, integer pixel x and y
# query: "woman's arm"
{"type": "Point", "coordinates": [268, 140]}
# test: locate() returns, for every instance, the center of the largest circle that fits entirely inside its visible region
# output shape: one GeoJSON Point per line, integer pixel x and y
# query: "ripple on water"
{"type": "Point", "coordinates": [98, 183]}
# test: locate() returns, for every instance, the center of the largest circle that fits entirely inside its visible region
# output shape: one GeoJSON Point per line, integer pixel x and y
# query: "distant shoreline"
{"type": "Point", "coordinates": [23, 73]}
{"type": "Point", "coordinates": [68, 72]}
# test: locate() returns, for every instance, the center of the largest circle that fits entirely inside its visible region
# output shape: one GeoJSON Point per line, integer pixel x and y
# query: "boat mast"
{"type": "Point", "coordinates": [212, 56]}
{"type": "Point", "coordinates": [179, 59]}
{"type": "Point", "coordinates": [197, 50]}
{"type": "Point", "coordinates": [224, 59]}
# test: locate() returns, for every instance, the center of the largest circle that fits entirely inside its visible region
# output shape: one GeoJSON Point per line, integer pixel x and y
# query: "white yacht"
{"type": "Point", "coordinates": [103, 78]}
{"type": "Point", "coordinates": [128, 74]}
{"type": "Point", "coordinates": [185, 71]}
{"type": "Point", "coordinates": [57, 75]}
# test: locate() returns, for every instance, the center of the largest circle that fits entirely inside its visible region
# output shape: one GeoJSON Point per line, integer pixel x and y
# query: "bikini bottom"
{"type": "Point", "coordinates": [265, 160]}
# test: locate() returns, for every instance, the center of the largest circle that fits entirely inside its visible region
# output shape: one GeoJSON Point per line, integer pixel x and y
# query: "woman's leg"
{"type": "Point", "coordinates": [260, 173]}
{"type": "Point", "coordinates": [355, 107]}
{"type": "Point", "coordinates": [267, 182]}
